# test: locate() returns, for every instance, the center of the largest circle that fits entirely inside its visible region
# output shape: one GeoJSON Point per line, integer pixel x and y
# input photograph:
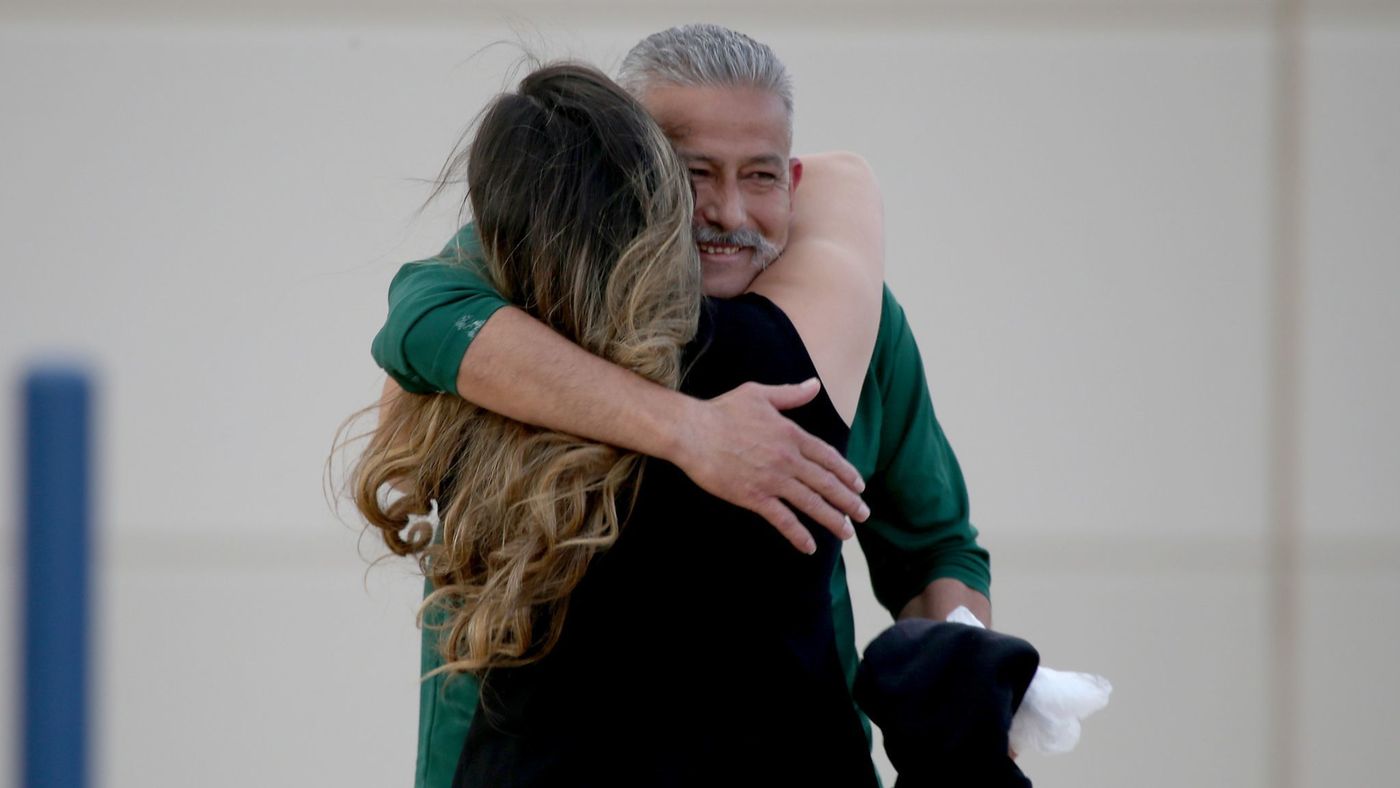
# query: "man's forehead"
{"type": "Point", "coordinates": [721, 122]}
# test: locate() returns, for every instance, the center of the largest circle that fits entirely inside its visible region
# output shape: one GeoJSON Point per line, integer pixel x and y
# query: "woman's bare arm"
{"type": "Point", "coordinates": [830, 278]}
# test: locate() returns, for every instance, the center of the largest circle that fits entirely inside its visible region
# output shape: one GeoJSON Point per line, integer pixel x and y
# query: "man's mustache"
{"type": "Point", "coordinates": [764, 251]}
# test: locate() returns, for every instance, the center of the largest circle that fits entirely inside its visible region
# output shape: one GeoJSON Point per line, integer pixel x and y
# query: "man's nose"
{"type": "Point", "coordinates": [722, 207]}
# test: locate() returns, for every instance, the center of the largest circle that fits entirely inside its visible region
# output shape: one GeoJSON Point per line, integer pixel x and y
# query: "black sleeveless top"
{"type": "Point", "coordinates": [699, 649]}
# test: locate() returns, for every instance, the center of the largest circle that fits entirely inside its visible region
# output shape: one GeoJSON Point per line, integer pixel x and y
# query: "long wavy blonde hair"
{"type": "Point", "coordinates": [584, 215]}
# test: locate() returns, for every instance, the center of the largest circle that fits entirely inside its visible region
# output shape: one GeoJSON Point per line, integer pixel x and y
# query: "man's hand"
{"type": "Point", "coordinates": [740, 448]}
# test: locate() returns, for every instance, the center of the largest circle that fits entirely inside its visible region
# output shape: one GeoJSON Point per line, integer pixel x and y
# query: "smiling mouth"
{"type": "Point", "coordinates": [719, 250]}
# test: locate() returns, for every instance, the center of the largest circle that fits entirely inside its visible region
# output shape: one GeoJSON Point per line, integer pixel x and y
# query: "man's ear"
{"type": "Point", "coordinates": [794, 177]}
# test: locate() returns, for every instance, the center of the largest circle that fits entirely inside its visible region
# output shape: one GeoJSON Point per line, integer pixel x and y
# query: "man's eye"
{"type": "Point", "coordinates": [696, 173]}
{"type": "Point", "coordinates": [765, 177]}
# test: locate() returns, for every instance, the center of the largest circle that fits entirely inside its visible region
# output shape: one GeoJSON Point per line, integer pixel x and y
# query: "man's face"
{"type": "Point", "coordinates": [735, 142]}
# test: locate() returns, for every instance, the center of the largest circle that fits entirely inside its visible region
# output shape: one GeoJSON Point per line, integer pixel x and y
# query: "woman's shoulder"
{"type": "Point", "coordinates": [744, 339]}
{"type": "Point", "coordinates": [752, 320]}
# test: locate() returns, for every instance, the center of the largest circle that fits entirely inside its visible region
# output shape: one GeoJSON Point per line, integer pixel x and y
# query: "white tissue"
{"type": "Point", "coordinates": [1055, 703]}
{"type": "Point", "coordinates": [961, 615]}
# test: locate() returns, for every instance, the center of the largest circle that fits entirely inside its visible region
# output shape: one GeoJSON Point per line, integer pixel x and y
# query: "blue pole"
{"type": "Point", "coordinates": [57, 529]}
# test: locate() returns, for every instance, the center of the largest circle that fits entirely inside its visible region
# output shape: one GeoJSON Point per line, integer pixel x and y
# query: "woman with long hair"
{"type": "Point", "coordinates": [572, 576]}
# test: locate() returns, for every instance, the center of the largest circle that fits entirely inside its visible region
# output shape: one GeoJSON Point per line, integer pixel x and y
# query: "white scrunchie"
{"type": "Point", "coordinates": [422, 526]}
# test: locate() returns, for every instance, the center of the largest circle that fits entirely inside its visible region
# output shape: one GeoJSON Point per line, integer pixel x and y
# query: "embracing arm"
{"type": "Point", "coordinates": [734, 446]}
{"type": "Point", "coordinates": [448, 330]}
{"type": "Point", "coordinates": [829, 279]}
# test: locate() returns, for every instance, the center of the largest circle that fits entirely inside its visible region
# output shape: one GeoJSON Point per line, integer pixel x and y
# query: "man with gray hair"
{"type": "Point", "coordinates": [725, 101]}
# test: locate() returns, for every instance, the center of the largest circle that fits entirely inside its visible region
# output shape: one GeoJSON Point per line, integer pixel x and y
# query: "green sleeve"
{"type": "Point", "coordinates": [436, 308]}
{"type": "Point", "coordinates": [918, 530]}
{"type": "Point", "coordinates": [446, 707]}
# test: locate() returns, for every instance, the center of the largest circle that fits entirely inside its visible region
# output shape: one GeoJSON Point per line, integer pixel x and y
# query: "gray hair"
{"type": "Point", "coordinates": [705, 56]}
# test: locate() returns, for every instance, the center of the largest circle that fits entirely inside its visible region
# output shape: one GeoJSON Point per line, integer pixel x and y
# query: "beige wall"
{"type": "Point", "coordinates": [1082, 227]}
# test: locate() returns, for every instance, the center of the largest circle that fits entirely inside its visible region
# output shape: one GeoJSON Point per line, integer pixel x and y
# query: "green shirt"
{"type": "Point", "coordinates": [918, 529]}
